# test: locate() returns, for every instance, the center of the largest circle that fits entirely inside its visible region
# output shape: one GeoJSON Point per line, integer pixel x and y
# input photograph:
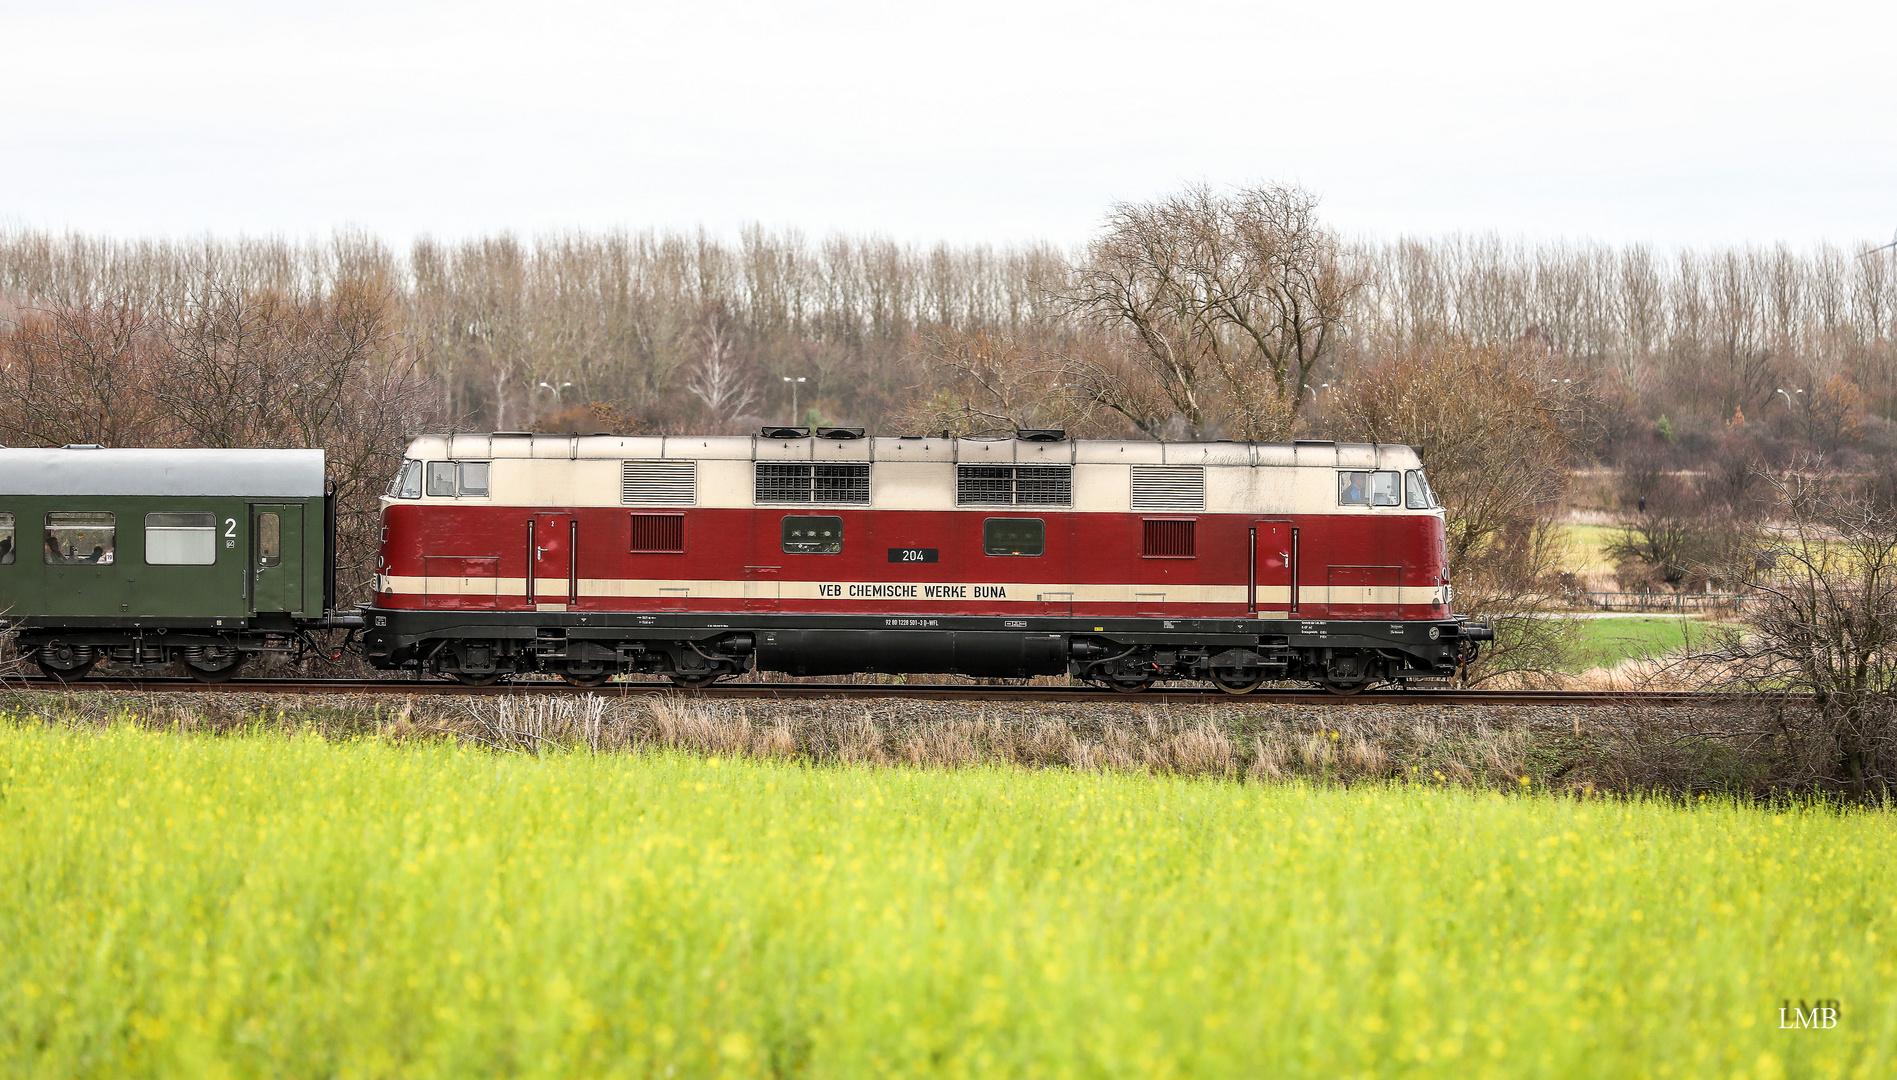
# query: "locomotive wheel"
{"type": "Point", "coordinates": [597, 678]}
{"type": "Point", "coordinates": [1139, 686]}
{"type": "Point", "coordinates": [65, 674]}
{"type": "Point", "coordinates": [466, 679]}
{"type": "Point", "coordinates": [694, 682]}
{"type": "Point", "coordinates": [1344, 689]}
{"type": "Point", "coordinates": [1235, 681]}
{"type": "Point", "coordinates": [214, 675]}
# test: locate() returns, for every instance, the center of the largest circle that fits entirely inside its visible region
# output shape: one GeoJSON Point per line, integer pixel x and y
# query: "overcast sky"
{"type": "Point", "coordinates": [1700, 123]}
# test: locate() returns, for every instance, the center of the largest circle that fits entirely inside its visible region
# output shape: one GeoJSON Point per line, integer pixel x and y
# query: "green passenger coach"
{"type": "Point", "coordinates": [201, 557]}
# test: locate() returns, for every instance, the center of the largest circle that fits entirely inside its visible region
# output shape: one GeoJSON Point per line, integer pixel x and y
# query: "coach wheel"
{"type": "Point", "coordinates": [1237, 680]}
{"type": "Point", "coordinates": [486, 678]}
{"type": "Point", "coordinates": [72, 674]}
{"type": "Point", "coordinates": [214, 674]}
{"type": "Point", "coordinates": [694, 681]}
{"type": "Point", "coordinates": [593, 678]}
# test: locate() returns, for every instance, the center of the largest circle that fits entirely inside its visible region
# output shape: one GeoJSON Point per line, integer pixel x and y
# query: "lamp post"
{"type": "Point", "coordinates": [556, 390]}
{"type": "Point", "coordinates": [1789, 403]}
{"type": "Point", "coordinates": [793, 397]}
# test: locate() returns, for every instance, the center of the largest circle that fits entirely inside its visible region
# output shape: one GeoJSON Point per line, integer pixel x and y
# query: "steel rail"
{"type": "Point", "coordinates": [927, 691]}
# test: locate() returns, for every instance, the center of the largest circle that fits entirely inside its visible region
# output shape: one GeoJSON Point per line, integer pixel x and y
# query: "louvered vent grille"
{"type": "Point", "coordinates": [800, 482]}
{"type": "Point", "coordinates": [1178, 488]}
{"type": "Point", "coordinates": [658, 483]}
{"type": "Point", "coordinates": [658, 533]}
{"type": "Point", "coordinates": [1170, 540]}
{"type": "Point", "coordinates": [1014, 485]}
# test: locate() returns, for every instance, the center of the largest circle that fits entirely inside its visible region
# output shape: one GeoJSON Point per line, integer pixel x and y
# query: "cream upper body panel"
{"type": "Point", "coordinates": [905, 473]}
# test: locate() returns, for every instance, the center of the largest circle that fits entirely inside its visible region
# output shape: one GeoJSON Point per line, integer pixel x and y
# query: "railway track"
{"type": "Point", "coordinates": [926, 691]}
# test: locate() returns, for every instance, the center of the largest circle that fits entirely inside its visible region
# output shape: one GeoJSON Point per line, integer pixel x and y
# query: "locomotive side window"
{"type": "Point", "coordinates": [1013, 536]}
{"type": "Point", "coordinates": [813, 535]}
{"type": "Point", "coordinates": [407, 483]}
{"type": "Point", "coordinates": [6, 539]}
{"type": "Point", "coordinates": [441, 477]}
{"type": "Point", "coordinates": [1420, 497]}
{"type": "Point", "coordinates": [179, 539]}
{"type": "Point", "coordinates": [75, 538]}
{"type": "Point", "coordinates": [1380, 488]}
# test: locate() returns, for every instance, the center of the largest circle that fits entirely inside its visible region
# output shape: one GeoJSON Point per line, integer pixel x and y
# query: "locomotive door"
{"type": "Point", "coordinates": [1274, 561]}
{"type": "Point", "coordinates": [551, 537]}
{"type": "Point", "coordinates": [276, 557]}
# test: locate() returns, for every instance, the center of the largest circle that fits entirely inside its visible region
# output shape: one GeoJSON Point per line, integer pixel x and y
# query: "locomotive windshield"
{"type": "Point", "coordinates": [1421, 498]}
{"type": "Point", "coordinates": [407, 483]}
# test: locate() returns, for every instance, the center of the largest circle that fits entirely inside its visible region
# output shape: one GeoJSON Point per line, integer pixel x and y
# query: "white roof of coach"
{"type": "Point", "coordinates": [966, 451]}
{"type": "Point", "coordinates": [93, 471]}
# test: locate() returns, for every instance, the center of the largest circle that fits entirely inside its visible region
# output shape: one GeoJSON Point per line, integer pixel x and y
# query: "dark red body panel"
{"type": "Point", "coordinates": [1093, 564]}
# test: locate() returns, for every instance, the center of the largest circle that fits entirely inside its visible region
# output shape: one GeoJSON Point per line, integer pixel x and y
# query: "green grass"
{"type": "Point", "coordinates": [1604, 642]}
{"type": "Point", "coordinates": [1587, 547]}
{"type": "Point", "coordinates": [256, 906]}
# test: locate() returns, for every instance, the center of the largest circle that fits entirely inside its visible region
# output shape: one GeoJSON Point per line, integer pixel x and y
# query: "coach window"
{"type": "Point", "coordinates": [1420, 497]}
{"type": "Point", "coordinates": [1013, 536]}
{"type": "Point", "coordinates": [180, 539]}
{"type": "Point", "coordinates": [269, 540]}
{"type": "Point", "coordinates": [813, 535]}
{"type": "Point", "coordinates": [6, 539]}
{"type": "Point", "coordinates": [76, 538]}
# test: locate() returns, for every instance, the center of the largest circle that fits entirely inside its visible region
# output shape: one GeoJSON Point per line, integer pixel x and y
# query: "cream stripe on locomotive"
{"type": "Point", "coordinates": [923, 592]}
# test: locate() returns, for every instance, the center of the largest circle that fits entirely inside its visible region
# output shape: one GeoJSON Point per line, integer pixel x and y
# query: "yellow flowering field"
{"type": "Point", "coordinates": [257, 905]}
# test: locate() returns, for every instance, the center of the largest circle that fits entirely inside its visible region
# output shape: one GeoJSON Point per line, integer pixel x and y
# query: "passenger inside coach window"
{"type": "Point", "coordinates": [1352, 491]}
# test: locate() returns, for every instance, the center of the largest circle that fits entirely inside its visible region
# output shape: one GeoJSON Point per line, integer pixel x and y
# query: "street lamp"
{"type": "Point", "coordinates": [556, 390]}
{"type": "Point", "coordinates": [793, 397]}
{"type": "Point", "coordinates": [1789, 403]}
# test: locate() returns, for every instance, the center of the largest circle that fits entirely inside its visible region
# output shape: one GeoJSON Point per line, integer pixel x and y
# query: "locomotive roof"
{"type": "Point", "coordinates": [94, 471]}
{"type": "Point", "coordinates": [966, 451]}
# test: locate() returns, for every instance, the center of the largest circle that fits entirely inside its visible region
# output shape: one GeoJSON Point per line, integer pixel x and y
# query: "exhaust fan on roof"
{"type": "Point", "coordinates": [1041, 435]}
{"type": "Point", "coordinates": [785, 433]}
{"type": "Point", "coordinates": [839, 433]}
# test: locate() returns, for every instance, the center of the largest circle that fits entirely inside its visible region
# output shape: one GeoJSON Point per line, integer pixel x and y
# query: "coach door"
{"type": "Point", "coordinates": [1274, 561]}
{"type": "Point", "coordinates": [552, 538]}
{"type": "Point", "coordinates": [276, 557]}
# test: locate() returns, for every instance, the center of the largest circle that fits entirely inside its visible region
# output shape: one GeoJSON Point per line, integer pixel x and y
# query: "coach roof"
{"type": "Point", "coordinates": [964, 451]}
{"type": "Point", "coordinates": [90, 471]}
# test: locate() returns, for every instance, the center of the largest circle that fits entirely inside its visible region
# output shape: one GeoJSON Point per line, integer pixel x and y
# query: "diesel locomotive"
{"type": "Point", "coordinates": [827, 552]}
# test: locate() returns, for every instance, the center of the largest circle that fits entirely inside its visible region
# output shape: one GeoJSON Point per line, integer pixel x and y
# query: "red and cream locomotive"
{"type": "Point", "coordinates": [1121, 563]}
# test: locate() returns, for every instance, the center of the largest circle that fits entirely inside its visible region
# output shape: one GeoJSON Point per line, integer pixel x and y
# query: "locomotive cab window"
{"type": "Point", "coordinates": [78, 538]}
{"type": "Point", "coordinates": [407, 483]}
{"type": "Point", "coordinates": [451, 479]}
{"type": "Point", "coordinates": [813, 535]}
{"type": "Point", "coordinates": [1013, 536]}
{"type": "Point", "coordinates": [1420, 497]}
{"type": "Point", "coordinates": [180, 539]}
{"type": "Point", "coordinates": [6, 539]}
{"type": "Point", "coordinates": [1380, 488]}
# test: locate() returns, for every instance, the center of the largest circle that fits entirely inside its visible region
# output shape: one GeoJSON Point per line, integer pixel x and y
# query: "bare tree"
{"type": "Point", "coordinates": [720, 380]}
{"type": "Point", "coordinates": [1233, 301]}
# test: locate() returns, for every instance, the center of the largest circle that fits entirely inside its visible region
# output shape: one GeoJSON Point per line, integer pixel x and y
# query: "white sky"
{"type": "Point", "coordinates": [1673, 123]}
